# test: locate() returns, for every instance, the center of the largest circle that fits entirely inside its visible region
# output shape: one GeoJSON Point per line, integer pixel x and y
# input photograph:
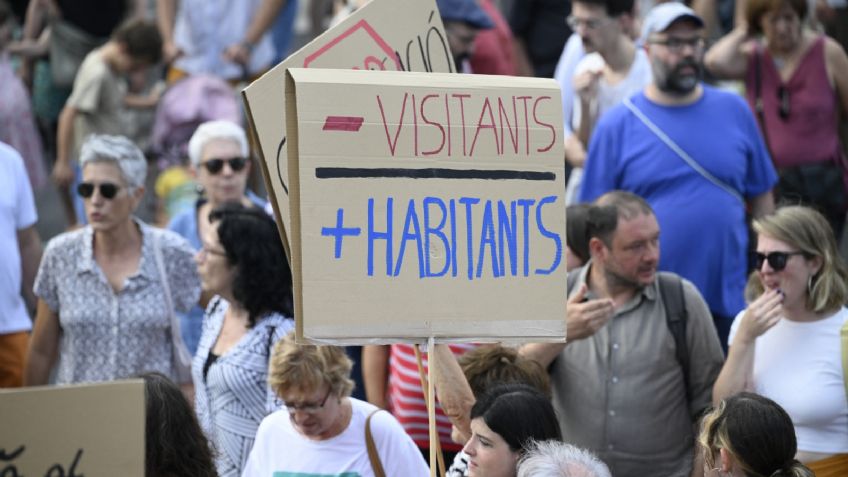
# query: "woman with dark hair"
{"type": "Point", "coordinates": [504, 421]}
{"type": "Point", "coordinates": [173, 442]}
{"type": "Point", "coordinates": [786, 344]}
{"type": "Point", "coordinates": [749, 435]}
{"type": "Point", "coordinates": [242, 262]}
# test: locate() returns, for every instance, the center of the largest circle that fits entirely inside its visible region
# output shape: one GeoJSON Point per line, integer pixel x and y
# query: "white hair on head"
{"type": "Point", "coordinates": [558, 459]}
{"type": "Point", "coordinates": [212, 130]}
{"type": "Point", "coordinates": [118, 150]}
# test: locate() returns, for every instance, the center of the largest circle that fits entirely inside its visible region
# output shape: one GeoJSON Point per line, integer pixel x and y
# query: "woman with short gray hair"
{"type": "Point", "coordinates": [107, 291]}
{"type": "Point", "coordinates": [558, 459]}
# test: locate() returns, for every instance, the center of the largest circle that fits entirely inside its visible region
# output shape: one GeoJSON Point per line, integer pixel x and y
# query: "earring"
{"type": "Point", "coordinates": [810, 285]}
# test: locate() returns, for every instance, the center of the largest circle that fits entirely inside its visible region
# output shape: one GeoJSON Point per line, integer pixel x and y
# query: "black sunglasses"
{"type": "Point", "coordinates": [107, 189]}
{"type": "Point", "coordinates": [215, 166]}
{"type": "Point", "coordinates": [783, 102]}
{"type": "Point", "coordinates": [776, 260]}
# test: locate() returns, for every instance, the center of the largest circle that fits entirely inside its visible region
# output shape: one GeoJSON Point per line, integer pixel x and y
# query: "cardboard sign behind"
{"type": "Point", "coordinates": [394, 35]}
{"type": "Point", "coordinates": [426, 204]}
{"type": "Point", "coordinates": [94, 430]}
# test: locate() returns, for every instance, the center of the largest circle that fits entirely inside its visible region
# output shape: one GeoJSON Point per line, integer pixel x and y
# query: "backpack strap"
{"type": "Point", "coordinates": [373, 455]}
{"type": "Point", "coordinates": [671, 291]}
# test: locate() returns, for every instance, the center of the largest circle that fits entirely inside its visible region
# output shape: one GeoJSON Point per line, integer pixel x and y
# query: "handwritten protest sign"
{"type": "Point", "coordinates": [92, 430]}
{"type": "Point", "coordinates": [425, 204]}
{"type": "Point", "coordinates": [395, 35]}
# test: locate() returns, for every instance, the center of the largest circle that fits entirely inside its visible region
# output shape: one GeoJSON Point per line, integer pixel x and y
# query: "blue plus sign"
{"type": "Point", "coordinates": [339, 232]}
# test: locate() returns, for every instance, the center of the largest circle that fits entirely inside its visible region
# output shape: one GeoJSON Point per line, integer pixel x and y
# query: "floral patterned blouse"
{"type": "Point", "coordinates": [108, 335]}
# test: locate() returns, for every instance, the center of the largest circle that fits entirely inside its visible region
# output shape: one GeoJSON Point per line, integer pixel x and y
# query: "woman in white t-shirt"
{"type": "Point", "coordinates": [786, 344]}
{"type": "Point", "coordinates": [322, 431]}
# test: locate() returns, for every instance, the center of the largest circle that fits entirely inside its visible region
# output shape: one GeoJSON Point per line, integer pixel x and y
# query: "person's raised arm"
{"type": "Point", "coordinates": [737, 373]}
{"type": "Point", "coordinates": [43, 346]}
{"type": "Point", "coordinates": [375, 374]}
{"type": "Point", "coordinates": [583, 318]}
{"type": "Point", "coordinates": [728, 58]}
{"type": "Point", "coordinates": [452, 389]}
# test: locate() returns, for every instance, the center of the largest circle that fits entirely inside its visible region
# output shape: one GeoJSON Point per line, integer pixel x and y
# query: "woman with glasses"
{"type": "Point", "coordinates": [748, 435]}
{"type": "Point", "coordinates": [796, 82]}
{"type": "Point", "coordinates": [324, 431]}
{"type": "Point", "coordinates": [786, 344]}
{"type": "Point", "coordinates": [104, 302]}
{"type": "Point", "coordinates": [219, 158]}
{"type": "Point", "coordinates": [242, 262]}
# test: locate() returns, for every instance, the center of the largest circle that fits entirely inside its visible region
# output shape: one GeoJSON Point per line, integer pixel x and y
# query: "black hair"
{"type": "Point", "coordinates": [175, 446]}
{"type": "Point", "coordinates": [576, 218]}
{"type": "Point", "coordinates": [263, 279]}
{"type": "Point", "coordinates": [613, 8]}
{"type": "Point", "coordinates": [519, 414]}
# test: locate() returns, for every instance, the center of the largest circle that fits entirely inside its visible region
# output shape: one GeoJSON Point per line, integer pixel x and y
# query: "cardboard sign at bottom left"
{"type": "Point", "coordinates": [92, 430]}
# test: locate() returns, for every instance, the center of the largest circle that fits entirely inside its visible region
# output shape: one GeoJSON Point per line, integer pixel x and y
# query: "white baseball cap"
{"type": "Point", "coordinates": [663, 15]}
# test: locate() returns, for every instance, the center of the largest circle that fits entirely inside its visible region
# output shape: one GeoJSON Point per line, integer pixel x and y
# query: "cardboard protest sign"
{"type": "Point", "coordinates": [426, 204]}
{"type": "Point", "coordinates": [395, 35]}
{"type": "Point", "coordinates": [93, 430]}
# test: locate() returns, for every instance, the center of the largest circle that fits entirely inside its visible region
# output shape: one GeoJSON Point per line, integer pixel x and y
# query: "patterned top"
{"type": "Point", "coordinates": [234, 397]}
{"type": "Point", "coordinates": [109, 335]}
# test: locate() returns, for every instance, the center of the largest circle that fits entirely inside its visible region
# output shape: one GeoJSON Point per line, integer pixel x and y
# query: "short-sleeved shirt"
{"type": "Point", "coordinates": [17, 212]}
{"type": "Point", "coordinates": [108, 335]}
{"type": "Point", "coordinates": [98, 96]}
{"type": "Point", "coordinates": [621, 394]}
{"type": "Point", "coordinates": [704, 235]}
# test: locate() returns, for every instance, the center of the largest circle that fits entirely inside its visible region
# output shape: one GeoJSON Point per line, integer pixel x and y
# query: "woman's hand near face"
{"type": "Point", "coordinates": [760, 316]}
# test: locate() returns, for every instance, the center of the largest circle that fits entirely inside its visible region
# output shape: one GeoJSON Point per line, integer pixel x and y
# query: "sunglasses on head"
{"type": "Point", "coordinates": [107, 189]}
{"type": "Point", "coordinates": [776, 260]}
{"type": "Point", "coordinates": [215, 166]}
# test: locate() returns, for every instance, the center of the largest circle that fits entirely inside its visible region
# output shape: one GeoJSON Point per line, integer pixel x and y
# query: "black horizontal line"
{"type": "Point", "coordinates": [430, 173]}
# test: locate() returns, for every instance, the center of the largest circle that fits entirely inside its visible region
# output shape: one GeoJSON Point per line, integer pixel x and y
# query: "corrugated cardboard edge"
{"type": "Point", "coordinates": [266, 175]}
{"type": "Point", "coordinates": [294, 202]}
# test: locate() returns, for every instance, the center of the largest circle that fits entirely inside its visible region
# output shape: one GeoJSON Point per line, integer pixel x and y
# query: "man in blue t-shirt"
{"type": "Point", "coordinates": [695, 154]}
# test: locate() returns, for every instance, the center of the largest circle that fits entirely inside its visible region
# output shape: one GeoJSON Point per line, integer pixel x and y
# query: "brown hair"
{"type": "Point", "coordinates": [308, 367]}
{"type": "Point", "coordinates": [755, 10]}
{"type": "Point", "coordinates": [141, 39]}
{"type": "Point", "coordinates": [489, 365]}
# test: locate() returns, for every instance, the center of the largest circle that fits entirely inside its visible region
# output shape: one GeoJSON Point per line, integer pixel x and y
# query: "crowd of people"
{"type": "Point", "coordinates": [707, 328]}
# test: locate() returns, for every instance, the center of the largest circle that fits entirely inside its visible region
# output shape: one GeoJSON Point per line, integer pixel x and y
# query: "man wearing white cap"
{"type": "Point", "coordinates": [695, 154]}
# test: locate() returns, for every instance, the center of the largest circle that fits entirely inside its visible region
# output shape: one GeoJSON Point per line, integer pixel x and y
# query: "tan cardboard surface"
{"type": "Point", "coordinates": [93, 430]}
{"type": "Point", "coordinates": [468, 169]}
{"type": "Point", "coordinates": [394, 35]}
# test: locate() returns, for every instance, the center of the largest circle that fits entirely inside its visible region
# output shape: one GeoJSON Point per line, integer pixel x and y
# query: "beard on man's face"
{"type": "Point", "coordinates": [681, 79]}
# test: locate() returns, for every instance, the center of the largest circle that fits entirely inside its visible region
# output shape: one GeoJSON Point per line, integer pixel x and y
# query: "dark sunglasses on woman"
{"type": "Point", "coordinates": [214, 166]}
{"type": "Point", "coordinates": [107, 189]}
{"type": "Point", "coordinates": [776, 260]}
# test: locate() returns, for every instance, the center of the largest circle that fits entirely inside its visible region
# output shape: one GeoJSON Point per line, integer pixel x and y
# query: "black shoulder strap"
{"type": "Point", "coordinates": [671, 290]}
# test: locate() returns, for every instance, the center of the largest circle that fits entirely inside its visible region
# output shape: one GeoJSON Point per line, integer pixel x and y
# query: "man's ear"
{"type": "Point", "coordinates": [597, 248]}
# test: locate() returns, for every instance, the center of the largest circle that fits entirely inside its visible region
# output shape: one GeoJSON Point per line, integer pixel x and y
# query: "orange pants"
{"type": "Point", "coordinates": [13, 349]}
{"type": "Point", "coordinates": [836, 466]}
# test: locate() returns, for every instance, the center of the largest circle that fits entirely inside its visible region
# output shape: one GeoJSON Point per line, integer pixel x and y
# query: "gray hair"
{"type": "Point", "coordinates": [212, 130]}
{"type": "Point", "coordinates": [558, 459]}
{"type": "Point", "coordinates": [118, 150]}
